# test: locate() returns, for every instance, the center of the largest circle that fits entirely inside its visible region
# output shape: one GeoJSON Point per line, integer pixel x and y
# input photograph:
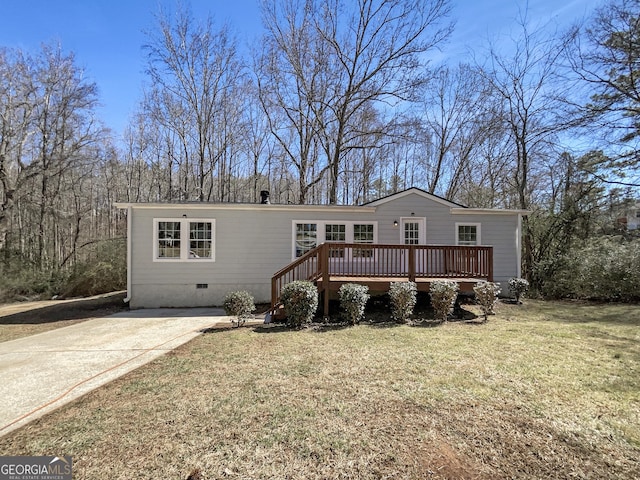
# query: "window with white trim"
{"type": "Point", "coordinates": [308, 234]}
{"type": "Point", "coordinates": [200, 239]}
{"type": "Point", "coordinates": [184, 239]}
{"type": "Point", "coordinates": [363, 233]}
{"type": "Point", "coordinates": [411, 233]}
{"type": "Point", "coordinates": [468, 234]}
{"type": "Point", "coordinates": [306, 238]}
{"type": "Point", "coordinates": [169, 239]}
{"type": "Point", "coordinates": [335, 232]}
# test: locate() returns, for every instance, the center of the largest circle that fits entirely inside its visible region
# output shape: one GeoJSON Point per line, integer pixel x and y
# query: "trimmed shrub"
{"type": "Point", "coordinates": [353, 299]}
{"type": "Point", "coordinates": [300, 300]}
{"type": "Point", "coordinates": [518, 287]}
{"type": "Point", "coordinates": [486, 296]}
{"type": "Point", "coordinates": [443, 295]}
{"type": "Point", "coordinates": [240, 305]}
{"type": "Point", "coordinates": [403, 296]}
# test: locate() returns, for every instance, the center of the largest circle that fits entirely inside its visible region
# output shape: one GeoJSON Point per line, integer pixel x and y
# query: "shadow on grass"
{"type": "Point", "coordinates": [273, 328]}
{"type": "Point", "coordinates": [376, 319]}
{"type": "Point", "coordinates": [73, 310]}
{"type": "Point", "coordinates": [319, 327]}
{"type": "Point", "coordinates": [383, 324]}
{"type": "Point", "coordinates": [426, 323]}
{"type": "Point", "coordinates": [329, 326]}
{"type": "Point", "coordinates": [567, 311]}
{"type": "Point", "coordinates": [220, 329]}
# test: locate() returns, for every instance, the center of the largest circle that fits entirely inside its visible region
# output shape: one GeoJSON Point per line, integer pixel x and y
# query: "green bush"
{"type": "Point", "coordinates": [353, 299]}
{"type": "Point", "coordinates": [403, 296]}
{"type": "Point", "coordinates": [486, 296]}
{"type": "Point", "coordinates": [518, 287]}
{"type": "Point", "coordinates": [101, 268]}
{"type": "Point", "coordinates": [104, 272]}
{"type": "Point", "coordinates": [603, 269]}
{"type": "Point", "coordinates": [300, 300]}
{"type": "Point", "coordinates": [240, 305]}
{"type": "Point", "coordinates": [443, 295]}
{"type": "Point", "coordinates": [19, 285]}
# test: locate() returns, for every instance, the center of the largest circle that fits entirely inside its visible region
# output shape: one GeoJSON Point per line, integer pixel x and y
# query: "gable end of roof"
{"type": "Point", "coordinates": [417, 191]}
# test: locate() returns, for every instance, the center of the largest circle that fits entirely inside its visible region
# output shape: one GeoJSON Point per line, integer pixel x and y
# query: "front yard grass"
{"type": "Point", "coordinates": [543, 390]}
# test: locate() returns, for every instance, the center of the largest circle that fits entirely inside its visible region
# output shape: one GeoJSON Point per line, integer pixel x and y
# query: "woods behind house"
{"type": "Point", "coordinates": [336, 103]}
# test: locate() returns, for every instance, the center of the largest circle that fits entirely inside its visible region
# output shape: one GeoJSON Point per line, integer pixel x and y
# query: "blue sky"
{"type": "Point", "coordinates": [107, 35]}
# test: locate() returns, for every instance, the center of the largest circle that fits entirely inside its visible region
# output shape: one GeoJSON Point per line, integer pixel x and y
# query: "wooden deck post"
{"type": "Point", "coordinates": [274, 294]}
{"type": "Point", "coordinates": [324, 269]}
{"type": "Point", "coordinates": [490, 255]}
{"type": "Point", "coordinates": [412, 263]}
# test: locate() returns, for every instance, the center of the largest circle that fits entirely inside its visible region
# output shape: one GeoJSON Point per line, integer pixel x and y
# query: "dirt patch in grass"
{"type": "Point", "coordinates": [18, 320]}
{"type": "Point", "coordinates": [537, 392]}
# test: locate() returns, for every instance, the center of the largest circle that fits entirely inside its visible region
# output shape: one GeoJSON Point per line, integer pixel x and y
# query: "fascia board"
{"type": "Point", "coordinates": [488, 211]}
{"type": "Point", "coordinates": [249, 207]}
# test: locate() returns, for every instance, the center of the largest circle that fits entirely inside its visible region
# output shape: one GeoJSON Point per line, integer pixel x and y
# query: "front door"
{"type": "Point", "coordinates": [412, 232]}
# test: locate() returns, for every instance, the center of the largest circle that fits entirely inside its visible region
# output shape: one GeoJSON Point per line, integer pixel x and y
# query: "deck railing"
{"type": "Point", "coordinates": [306, 267]}
{"type": "Point", "coordinates": [409, 262]}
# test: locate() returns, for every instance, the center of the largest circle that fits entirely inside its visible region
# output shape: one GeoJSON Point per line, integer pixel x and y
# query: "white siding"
{"type": "Point", "coordinates": [498, 231]}
{"type": "Point", "coordinates": [252, 244]}
{"type": "Point", "coordinates": [438, 219]}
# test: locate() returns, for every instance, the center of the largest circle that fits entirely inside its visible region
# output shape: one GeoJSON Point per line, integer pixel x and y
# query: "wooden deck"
{"type": "Point", "coordinates": [332, 265]}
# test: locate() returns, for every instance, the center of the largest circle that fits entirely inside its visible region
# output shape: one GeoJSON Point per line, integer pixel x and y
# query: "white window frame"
{"type": "Point", "coordinates": [321, 231]}
{"type": "Point", "coordinates": [184, 240]}
{"type": "Point", "coordinates": [295, 236]}
{"type": "Point", "coordinates": [469, 224]}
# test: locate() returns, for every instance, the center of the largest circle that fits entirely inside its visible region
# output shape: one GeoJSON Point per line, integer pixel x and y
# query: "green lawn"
{"type": "Point", "coordinates": [543, 390]}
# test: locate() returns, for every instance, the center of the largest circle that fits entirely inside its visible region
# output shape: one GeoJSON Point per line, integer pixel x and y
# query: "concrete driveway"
{"type": "Point", "coordinates": [42, 372]}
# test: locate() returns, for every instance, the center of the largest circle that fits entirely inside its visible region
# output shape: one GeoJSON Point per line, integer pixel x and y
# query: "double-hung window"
{"type": "Point", "coordinates": [468, 234]}
{"type": "Point", "coordinates": [169, 238]}
{"type": "Point", "coordinates": [200, 239]}
{"type": "Point", "coordinates": [363, 233]}
{"type": "Point", "coordinates": [335, 233]}
{"type": "Point", "coordinates": [184, 239]}
{"type": "Point", "coordinates": [306, 238]}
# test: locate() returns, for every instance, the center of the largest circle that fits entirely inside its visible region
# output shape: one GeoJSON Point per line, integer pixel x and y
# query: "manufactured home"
{"type": "Point", "coordinates": [193, 254]}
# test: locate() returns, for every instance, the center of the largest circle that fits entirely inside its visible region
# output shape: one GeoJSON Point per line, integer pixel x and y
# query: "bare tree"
{"type": "Point", "coordinates": [50, 151]}
{"type": "Point", "coordinates": [64, 130]}
{"type": "Point", "coordinates": [194, 70]}
{"type": "Point", "coordinates": [341, 58]}
{"type": "Point", "coordinates": [455, 122]}
{"type": "Point", "coordinates": [606, 56]}
{"type": "Point", "coordinates": [377, 55]}
{"type": "Point", "coordinates": [16, 107]}
{"type": "Point", "coordinates": [291, 75]}
{"type": "Point", "coordinates": [527, 84]}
